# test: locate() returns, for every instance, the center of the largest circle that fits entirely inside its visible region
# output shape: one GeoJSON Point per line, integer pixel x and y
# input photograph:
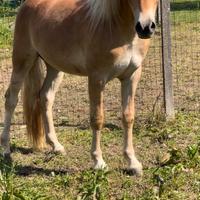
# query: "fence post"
{"type": "Point", "coordinates": [158, 14]}
{"type": "Point", "coordinates": [166, 59]}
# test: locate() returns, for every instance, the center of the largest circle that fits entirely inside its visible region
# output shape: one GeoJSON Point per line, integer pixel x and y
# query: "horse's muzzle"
{"type": "Point", "coordinates": [145, 31]}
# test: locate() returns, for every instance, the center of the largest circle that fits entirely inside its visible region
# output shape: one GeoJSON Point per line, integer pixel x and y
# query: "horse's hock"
{"type": "Point", "coordinates": [71, 107]}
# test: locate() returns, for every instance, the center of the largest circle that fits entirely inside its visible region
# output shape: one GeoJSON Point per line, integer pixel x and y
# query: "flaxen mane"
{"type": "Point", "coordinates": [101, 11]}
{"type": "Point", "coordinates": [104, 11]}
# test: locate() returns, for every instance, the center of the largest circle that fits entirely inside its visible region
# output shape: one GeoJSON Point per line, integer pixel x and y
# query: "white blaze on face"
{"type": "Point", "coordinates": [144, 11]}
{"type": "Point", "coordinates": [145, 18]}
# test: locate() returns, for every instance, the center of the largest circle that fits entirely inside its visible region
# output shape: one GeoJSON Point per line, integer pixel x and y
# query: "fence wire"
{"type": "Point", "coordinates": [71, 106]}
{"type": "Point", "coordinates": [185, 20]}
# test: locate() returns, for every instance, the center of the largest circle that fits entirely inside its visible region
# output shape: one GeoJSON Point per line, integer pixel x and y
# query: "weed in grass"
{"type": "Point", "coordinates": [173, 171]}
{"type": "Point", "coordinates": [8, 190]}
{"type": "Point", "coordinates": [5, 34]}
{"type": "Point", "coordinates": [148, 195]}
{"type": "Point", "coordinates": [94, 185]}
{"type": "Point", "coordinates": [62, 180]}
{"type": "Point", "coordinates": [63, 186]}
{"type": "Point", "coordinates": [171, 165]}
{"type": "Point", "coordinates": [193, 155]}
{"type": "Point", "coordinates": [192, 151]}
{"type": "Point", "coordinates": [126, 197]}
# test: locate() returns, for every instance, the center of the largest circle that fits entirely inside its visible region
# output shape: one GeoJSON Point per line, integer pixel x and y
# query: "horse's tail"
{"type": "Point", "coordinates": [31, 106]}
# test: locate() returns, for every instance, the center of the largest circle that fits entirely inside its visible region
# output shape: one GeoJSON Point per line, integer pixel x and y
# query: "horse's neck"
{"type": "Point", "coordinates": [126, 15]}
{"type": "Point", "coordinates": [121, 28]}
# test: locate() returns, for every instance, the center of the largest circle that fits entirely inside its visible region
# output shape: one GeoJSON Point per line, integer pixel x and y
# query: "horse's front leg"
{"type": "Point", "coordinates": [96, 120]}
{"type": "Point", "coordinates": [128, 88]}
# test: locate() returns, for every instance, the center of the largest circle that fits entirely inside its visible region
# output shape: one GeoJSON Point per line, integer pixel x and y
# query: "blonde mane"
{"type": "Point", "coordinates": [101, 11]}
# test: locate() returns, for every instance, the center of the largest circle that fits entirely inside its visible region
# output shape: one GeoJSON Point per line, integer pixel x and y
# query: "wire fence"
{"type": "Point", "coordinates": [72, 105]}
{"type": "Point", "coordinates": [185, 23]}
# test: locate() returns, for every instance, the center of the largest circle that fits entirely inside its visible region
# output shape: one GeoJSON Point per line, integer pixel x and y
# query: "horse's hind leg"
{"type": "Point", "coordinates": [129, 86]}
{"type": "Point", "coordinates": [10, 104]}
{"type": "Point", "coordinates": [20, 69]}
{"type": "Point", "coordinates": [47, 96]}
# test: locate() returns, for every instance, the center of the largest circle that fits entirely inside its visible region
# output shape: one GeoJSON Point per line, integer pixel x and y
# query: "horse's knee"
{"type": "Point", "coordinates": [10, 100]}
{"type": "Point", "coordinates": [7, 94]}
{"type": "Point", "coordinates": [46, 100]}
{"type": "Point", "coordinates": [128, 119]}
{"type": "Point", "coordinates": [97, 122]}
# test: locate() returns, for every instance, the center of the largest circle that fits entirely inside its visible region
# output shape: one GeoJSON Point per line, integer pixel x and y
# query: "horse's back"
{"type": "Point", "coordinates": [52, 28]}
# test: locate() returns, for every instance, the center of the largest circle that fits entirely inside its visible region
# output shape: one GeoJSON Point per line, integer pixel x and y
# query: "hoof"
{"type": "Point", "coordinates": [7, 157]}
{"type": "Point", "coordinates": [135, 172]}
{"type": "Point", "coordinates": [5, 151]}
{"type": "Point", "coordinates": [60, 150]}
{"type": "Point", "coordinates": [100, 165]}
{"type": "Point", "coordinates": [4, 146]}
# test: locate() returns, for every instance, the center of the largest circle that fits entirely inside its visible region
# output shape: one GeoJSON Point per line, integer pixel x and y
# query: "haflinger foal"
{"type": "Point", "coordinates": [100, 39]}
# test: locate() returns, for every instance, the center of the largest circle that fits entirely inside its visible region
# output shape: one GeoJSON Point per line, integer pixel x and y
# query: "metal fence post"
{"type": "Point", "coordinates": [166, 59]}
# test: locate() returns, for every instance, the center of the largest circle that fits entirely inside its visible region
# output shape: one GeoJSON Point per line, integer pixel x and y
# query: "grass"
{"type": "Point", "coordinates": [6, 27]}
{"type": "Point", "coordinates": [170, 152]}
{"type": "Point", "coordinates": [5, 36]}
{"type": "Point", "coordinates": [182, 1]}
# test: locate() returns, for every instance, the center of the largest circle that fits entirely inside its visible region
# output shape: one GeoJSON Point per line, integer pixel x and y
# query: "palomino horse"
{"type": "Point", "coordinates": [100, 39]}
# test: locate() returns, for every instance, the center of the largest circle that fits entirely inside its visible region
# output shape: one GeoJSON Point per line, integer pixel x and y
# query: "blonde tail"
{"type": "Point", "coordinates": [32, 108]}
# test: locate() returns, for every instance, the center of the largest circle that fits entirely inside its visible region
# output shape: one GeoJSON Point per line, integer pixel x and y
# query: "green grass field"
{"type": "Point", "coordinates": [183, 1]}
{"type": "Point", "coordinates": [170, 153]}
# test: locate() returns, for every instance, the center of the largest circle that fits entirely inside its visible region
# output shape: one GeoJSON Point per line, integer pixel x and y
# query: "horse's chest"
{"type": "Point", "coordinates": [128, 58]}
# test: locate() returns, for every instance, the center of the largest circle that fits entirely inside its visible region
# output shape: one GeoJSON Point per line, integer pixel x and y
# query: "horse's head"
{"type": "Point", "coordinates": [145, 11]}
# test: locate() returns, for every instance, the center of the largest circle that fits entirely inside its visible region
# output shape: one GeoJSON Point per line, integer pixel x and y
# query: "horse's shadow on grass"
{"type": "Point", "coordinates": [28, 170]}
{"type": "Point", "coordinates": [6, 162]}
{"type": "Point", "coordinates": [22, 150]}
{"type": "Point", "coordinates": [33, 170]}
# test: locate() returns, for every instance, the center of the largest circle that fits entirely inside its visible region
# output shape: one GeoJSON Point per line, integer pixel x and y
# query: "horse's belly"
{"type": "Point", "coordinates": [75, 64]}
{"type": "Point", "coordinates": [68, 62]}
{"type": "Point", "coordinates": [72, 69]}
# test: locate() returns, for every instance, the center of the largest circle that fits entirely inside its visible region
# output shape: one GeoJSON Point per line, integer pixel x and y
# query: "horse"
{"type": "Point", "coordinates": [100, 39]}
